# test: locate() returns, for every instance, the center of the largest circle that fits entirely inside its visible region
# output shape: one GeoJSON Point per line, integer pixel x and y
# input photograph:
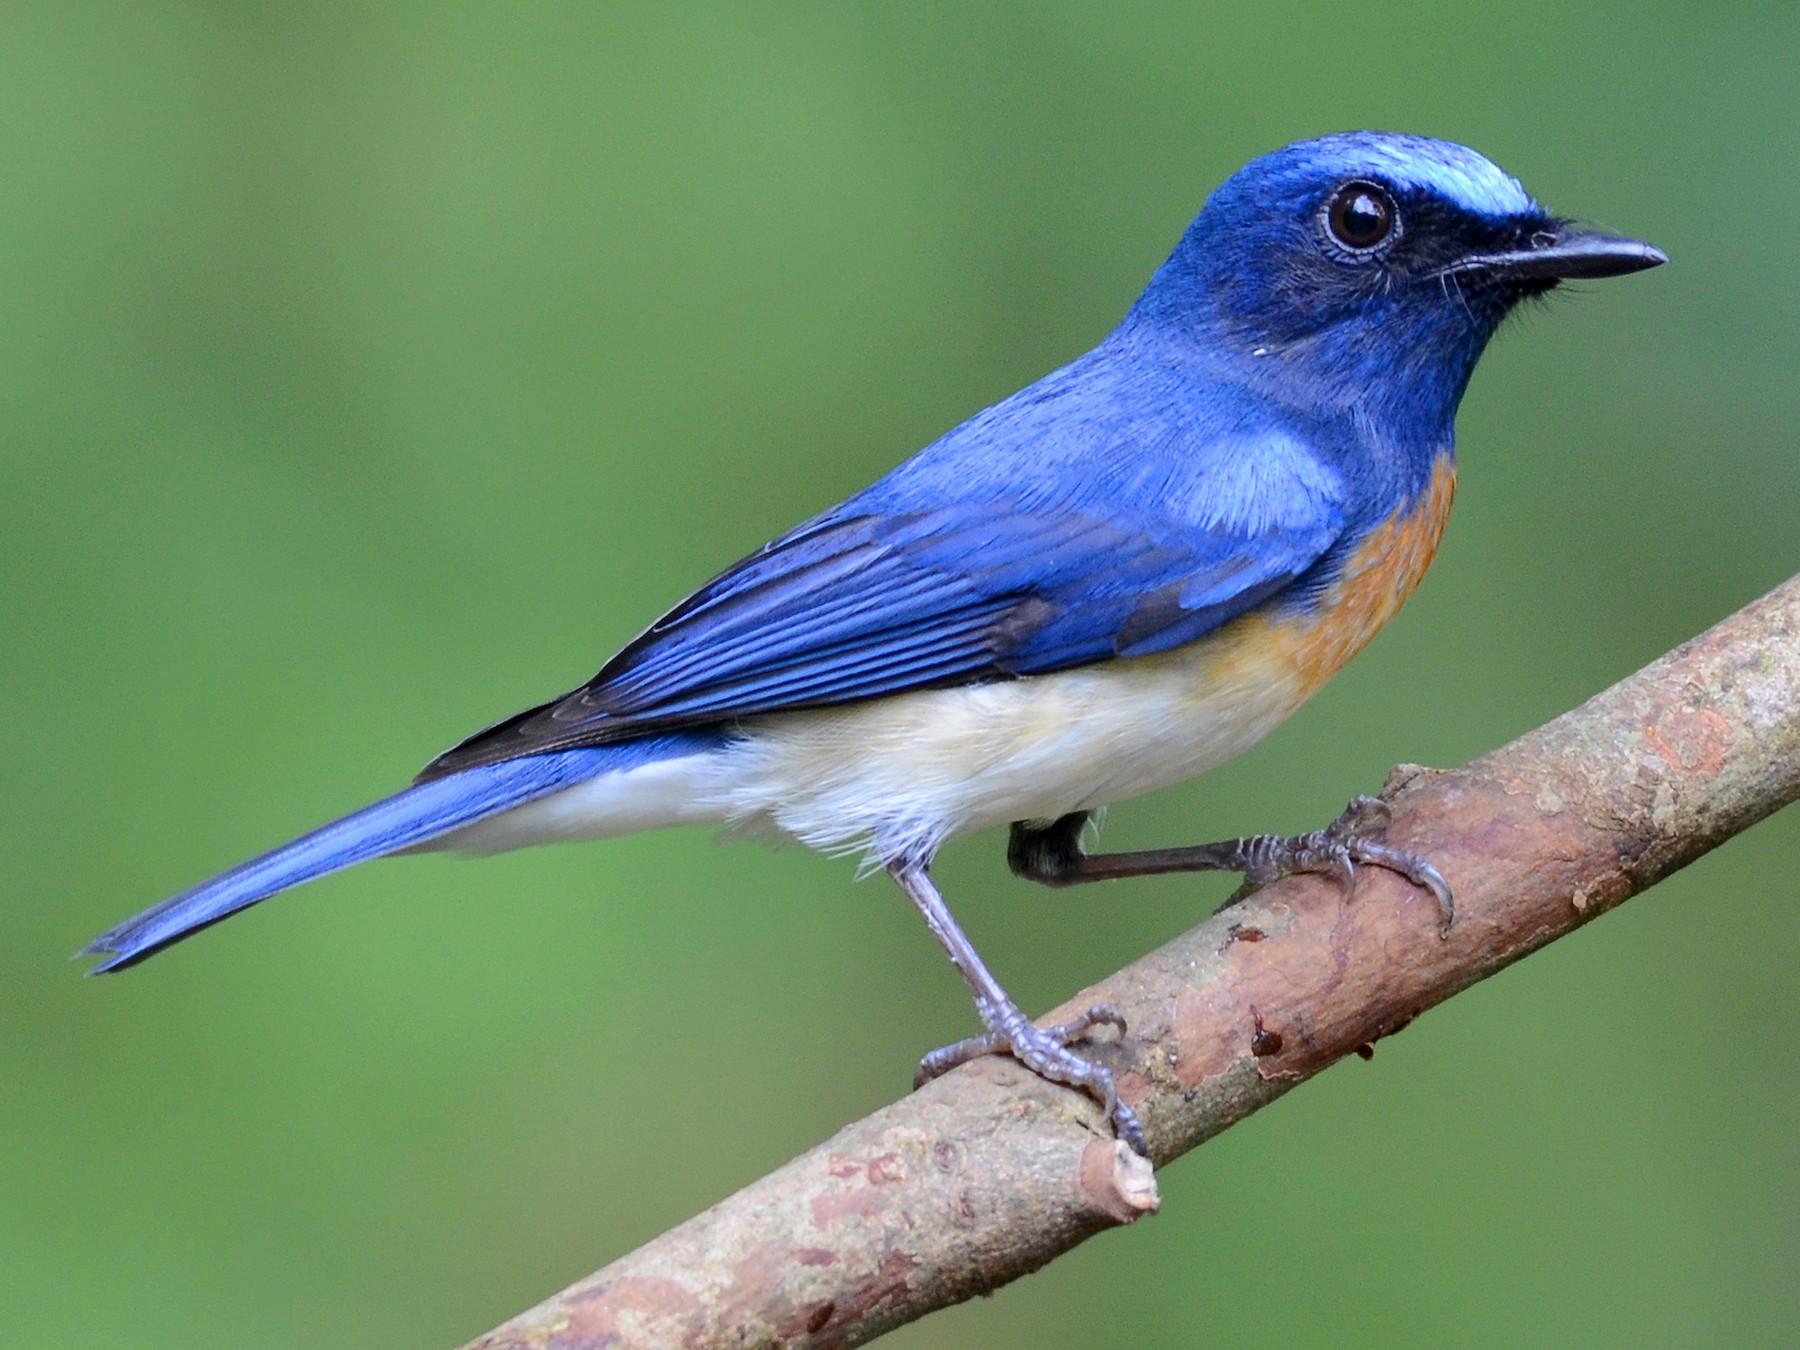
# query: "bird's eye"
{"type": "Point", "coordinates": [1361, 216]}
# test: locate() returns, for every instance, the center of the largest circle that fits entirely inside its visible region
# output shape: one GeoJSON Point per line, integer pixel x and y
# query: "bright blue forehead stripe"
{"type": "Point", "coordinates": [1451, 171]}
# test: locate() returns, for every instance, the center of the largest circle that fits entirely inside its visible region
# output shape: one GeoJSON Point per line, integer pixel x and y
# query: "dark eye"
{"type": "Point", "coordinates": [1361, 216]}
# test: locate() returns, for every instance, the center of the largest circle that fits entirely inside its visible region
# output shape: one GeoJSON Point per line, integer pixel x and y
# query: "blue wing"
{"type": "Point", "coordinates": [960, 567]}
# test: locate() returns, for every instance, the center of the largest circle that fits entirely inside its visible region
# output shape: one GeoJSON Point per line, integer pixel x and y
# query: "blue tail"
{"type": "Point", "coordinates": [415, 816]}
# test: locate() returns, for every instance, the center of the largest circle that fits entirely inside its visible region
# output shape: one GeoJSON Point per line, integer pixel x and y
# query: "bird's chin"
{"type": "Point", "coordinates": [1532, 288]}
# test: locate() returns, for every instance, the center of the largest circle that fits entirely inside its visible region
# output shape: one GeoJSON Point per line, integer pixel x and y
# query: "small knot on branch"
{"type": "Point", "coordinates": [1116, 1183]}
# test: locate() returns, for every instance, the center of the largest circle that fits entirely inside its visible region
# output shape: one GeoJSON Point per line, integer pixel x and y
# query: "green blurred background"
{"type": "Point", "coordinates": [370, 371]}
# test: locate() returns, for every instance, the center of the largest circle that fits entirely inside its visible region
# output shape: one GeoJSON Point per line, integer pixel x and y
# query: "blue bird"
{"type": "Point", "coordinates": [1114, 580]}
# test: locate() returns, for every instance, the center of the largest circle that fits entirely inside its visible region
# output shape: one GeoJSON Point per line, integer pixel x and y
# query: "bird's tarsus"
{"type": "Point", "coordinates": [1043, 1050]}
{"type": "Point", "coordinates": [1051, 854]}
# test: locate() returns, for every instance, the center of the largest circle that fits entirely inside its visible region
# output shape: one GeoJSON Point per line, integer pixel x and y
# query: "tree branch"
{"type": "Point", "coordinates": [989, 1172]}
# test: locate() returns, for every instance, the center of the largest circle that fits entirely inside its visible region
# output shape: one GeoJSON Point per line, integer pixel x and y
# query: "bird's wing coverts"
{"type": "Point", "coordinates": [877, 598]}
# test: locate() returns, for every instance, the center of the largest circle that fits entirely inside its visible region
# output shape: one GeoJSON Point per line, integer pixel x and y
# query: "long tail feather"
{"type": "Point", "coordinates": [421, 813]}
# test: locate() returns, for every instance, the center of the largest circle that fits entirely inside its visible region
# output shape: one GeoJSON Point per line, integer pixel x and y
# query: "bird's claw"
{"type": "Point", "coordinates": [1354, 837]}
{"type": "Point", "coordinates": [1045, 1051]}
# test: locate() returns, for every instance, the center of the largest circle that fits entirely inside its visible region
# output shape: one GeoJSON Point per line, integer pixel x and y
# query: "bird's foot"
{"type": "Point", "coordinates": [1354, 837]}
{"type": "Point", "coordinates": [1045, 1051]}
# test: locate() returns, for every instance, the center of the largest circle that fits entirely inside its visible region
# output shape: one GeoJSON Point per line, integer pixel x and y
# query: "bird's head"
{"type": "Point", "coordinates": [1370, 270]}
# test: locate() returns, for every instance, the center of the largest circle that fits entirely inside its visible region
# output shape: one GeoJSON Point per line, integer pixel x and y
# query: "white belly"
{"type": "Point", "coordinates": [899, 776]}
{"type": "Point", "coordinates": [902, 775]}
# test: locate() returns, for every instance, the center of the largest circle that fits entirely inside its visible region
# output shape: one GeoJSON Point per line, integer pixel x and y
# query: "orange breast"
{"type": "Point", "coordinates": [1376, 579]}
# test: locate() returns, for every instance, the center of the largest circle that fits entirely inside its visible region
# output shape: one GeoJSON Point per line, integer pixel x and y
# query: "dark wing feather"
{"type": "Point", "coordinates": [860, 604]}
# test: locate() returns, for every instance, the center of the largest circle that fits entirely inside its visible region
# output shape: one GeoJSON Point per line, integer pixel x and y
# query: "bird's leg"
{"type": "Point", "coordinates": [1043, 1050]}
{"type": "Point", "coordinates": [1052, 854]}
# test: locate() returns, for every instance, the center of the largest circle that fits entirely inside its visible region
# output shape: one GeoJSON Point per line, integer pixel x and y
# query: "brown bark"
{"type": "Point", "coordinates": [989, 1173]}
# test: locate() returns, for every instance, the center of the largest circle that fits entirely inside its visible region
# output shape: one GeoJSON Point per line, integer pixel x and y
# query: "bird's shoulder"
{"type": "Point", "coordinates": [1163, 441]}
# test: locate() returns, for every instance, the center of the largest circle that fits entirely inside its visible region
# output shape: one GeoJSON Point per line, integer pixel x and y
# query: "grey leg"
{"type": "Point", "coordinates": [1052, 854]}
{"type": "Point", "coordinates": [1043, 1050]}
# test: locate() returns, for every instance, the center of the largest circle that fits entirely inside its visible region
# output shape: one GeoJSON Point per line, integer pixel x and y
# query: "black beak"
{"type": "Point", "coordinates": [1566, 252]}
